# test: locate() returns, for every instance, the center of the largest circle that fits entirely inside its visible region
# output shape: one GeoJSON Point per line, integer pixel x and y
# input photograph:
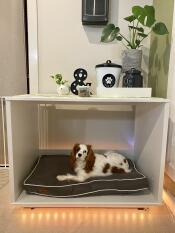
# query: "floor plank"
{"type": "Point", "coordinates": [87, 220]}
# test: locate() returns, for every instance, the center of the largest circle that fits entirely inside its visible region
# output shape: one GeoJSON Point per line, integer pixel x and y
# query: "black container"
{"type": "Point", "coordinates": [133, 78]}
{"type": "Point", "coordinates": [95, 12]}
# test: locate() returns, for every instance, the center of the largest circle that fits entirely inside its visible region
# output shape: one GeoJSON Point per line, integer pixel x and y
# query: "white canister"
{"type": "Point", "coordinates": [108, 75]}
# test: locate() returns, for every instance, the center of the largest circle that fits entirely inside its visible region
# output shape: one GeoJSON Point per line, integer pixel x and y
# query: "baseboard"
{"type": "Point", "coordinates": [169, 184]}
{"type": "Point", "coordinates": [169, 200]}
{"type": "Point", "coordinates": [170, 171]}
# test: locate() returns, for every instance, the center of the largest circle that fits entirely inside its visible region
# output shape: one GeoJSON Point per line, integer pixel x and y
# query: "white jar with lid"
{"type": "Point", "coordinates": [108, 75]}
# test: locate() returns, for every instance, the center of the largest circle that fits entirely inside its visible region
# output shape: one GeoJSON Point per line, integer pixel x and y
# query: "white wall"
{"type": "Point", "coordinates": [12, 53]}
{"type": "Point", "coordinates": [12, 40]}
{"type": "Point", "coordinates": [64, 44]}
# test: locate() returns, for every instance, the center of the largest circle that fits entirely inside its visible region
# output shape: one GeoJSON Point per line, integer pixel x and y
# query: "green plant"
{"type": "Point", "coordinates": [141, 23]}
{"type": "Point", "coordinates": [58, 79]}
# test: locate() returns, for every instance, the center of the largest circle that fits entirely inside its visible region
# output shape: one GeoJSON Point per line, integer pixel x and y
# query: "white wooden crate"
{"type": "Point", "coordinates": [140, 133]}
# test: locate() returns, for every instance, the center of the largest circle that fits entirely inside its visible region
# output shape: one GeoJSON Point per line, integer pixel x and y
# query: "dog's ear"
{"type": "Point", "coordinates": [90, 159]}
{"type": "Point", "coordinates": [73, 155]}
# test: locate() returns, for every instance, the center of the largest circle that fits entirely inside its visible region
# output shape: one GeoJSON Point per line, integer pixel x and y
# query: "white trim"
{"type": "Point", "coordinates": [43, 126]}
{"type": "Point", "coordinates": [71, 99]}
{"type": "Point", "coordinates": [87, 193]}
{"type": "Point", "coordinates": [10, 150]}
{"type": "Point", "coordinates": [32, 11]}
{"type": "Point", "coordinates": [4, 132]}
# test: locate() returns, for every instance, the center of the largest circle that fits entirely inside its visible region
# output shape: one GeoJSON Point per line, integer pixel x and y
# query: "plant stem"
{"type": "Point", "coordinates": [130, 34]}
{"type": "Point", "coordinates": [133, 34]}
{"type": "Point", "coordinates": [129, 43]}
{"type": "Point", "coordinates": [124, 45]}
{"type": "Point", "coordinates": [145, 37]}
{"type": "Point", "coordinates": [136, 35]}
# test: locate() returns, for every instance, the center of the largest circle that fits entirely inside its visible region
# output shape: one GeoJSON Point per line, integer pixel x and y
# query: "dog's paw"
{"type": "Point", "coordinates": [128, 170]}
{"type": "Point", "coordinates": [61, 178]}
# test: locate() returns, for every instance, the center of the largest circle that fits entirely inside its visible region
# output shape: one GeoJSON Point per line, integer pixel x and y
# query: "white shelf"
{"type": "Point", "coordinates": [77, 99]}
{"type": "Point", "coordinates": [143, 200]}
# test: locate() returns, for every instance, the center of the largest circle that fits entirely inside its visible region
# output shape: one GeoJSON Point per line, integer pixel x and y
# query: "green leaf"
{"type": "Point", "coordinates": [160, 29]}
{"type": "Point", "coordinates": [137, 11]}
{"type": "Point", "coordinates": [130, 18]}
{"type": "Point", "coordinates": [138, 42]}
{"type": "Point", "coordinates": [109, 33]}
{"type": "Point", "coordinates": [150, 12]}
{"type": "Point", "coordinates": [146, 15]}
{"type": "Point", "coordinates": [142, 35]}
{"type": "Point", "coordinates": [141, 29]}
{"type": "Point", "coordinates": [119, 38]}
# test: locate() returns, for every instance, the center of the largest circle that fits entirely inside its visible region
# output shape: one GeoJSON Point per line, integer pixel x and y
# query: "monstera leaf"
{"type": "Point", "coordinates": [130, 18]}
{"type": "Point", "coordinates": [160, 29]}
{"type": "Point", "coordinates": [109, 33]}
{"type": "Point", "coordinates": [145, 15]}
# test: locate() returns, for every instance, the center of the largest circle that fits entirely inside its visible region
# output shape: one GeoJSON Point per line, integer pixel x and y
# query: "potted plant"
{"type": "Point", "coordinates": [141, 23]}
{"type": "Point", "coordinates": [62, 87]}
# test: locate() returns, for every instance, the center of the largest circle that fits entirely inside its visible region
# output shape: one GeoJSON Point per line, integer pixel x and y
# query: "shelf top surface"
{"type": "Point", "coordinates": [77, 99]}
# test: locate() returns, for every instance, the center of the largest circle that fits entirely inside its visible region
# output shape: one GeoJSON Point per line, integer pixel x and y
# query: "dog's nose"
{"type": "Point", "coordinates": [79, 155]}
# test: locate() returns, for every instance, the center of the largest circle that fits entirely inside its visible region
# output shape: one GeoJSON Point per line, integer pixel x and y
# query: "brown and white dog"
{"type": "Point", "coordinates": [88, 164]}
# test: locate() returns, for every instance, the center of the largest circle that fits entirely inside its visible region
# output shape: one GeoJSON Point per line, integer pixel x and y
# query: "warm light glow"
{"type": "Point", "coordinates": [118, 217]}
{"type": "Point", "coordinates": [71, 216]}
{"type": "Point", "coordinates": [47, 216]}
{"type": "Point", "coordinates": [110, 217]}
{"type": "Point", "coordinates": [55, 216]}
{"type": "Point", "coordinates": [142, 216]}
{"type": "Point", "coordinates": [40, 215]}
{"type": "Point", "coordinates": [24, 216]}
{"type": "Point", "coordinates": [32, 216]}
{"type": "Point", "coordinates": [126, 216]}
{"type": "Point", "coordinates": [100, 218]}
{"type": "Point", "coordinates": [133, 216]}
{"type": "Point", "coordinates": [63, 215]}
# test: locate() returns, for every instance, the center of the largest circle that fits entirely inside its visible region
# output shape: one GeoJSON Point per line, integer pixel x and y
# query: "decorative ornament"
{"type": "Point", "coordinates": [109, 80]}
{"type": "Point", "coordinates": [80, 76]}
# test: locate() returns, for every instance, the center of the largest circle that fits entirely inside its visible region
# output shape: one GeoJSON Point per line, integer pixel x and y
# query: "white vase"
{"type": "Point", "coordinates": [63, 89]}
{"type": "Point", "coordinates": [131, 58]}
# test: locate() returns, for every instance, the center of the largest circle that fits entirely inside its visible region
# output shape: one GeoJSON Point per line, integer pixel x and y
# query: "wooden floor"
{"type": "Point", "coordinates": [55, 220]}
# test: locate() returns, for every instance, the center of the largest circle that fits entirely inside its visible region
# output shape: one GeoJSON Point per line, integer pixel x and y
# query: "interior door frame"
{"type": "Point", "coordinates": [170, 166]}
{"type": "Point", "coordinates": [32, 14]}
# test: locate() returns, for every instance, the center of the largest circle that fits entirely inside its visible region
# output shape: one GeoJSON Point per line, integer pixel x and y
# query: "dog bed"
{"type": "Point", "coordinates": [42, 180]}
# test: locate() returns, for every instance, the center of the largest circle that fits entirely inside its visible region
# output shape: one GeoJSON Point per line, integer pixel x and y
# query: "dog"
{"type": "Point", "coordinates": [87, 164]}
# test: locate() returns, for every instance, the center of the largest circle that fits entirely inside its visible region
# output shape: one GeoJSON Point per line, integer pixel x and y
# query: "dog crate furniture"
{"type": "Point", "coordinates": [136, 127]}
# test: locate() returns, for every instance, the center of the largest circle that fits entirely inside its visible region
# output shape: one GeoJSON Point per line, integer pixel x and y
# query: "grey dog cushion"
{"type": "Point", "coordinates": [42, 180]}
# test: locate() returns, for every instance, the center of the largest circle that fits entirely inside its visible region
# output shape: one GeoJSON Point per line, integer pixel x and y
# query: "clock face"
{"type": "Point", "coordinates": [80, 75]}
{"type": "Point", "coordinates": [109, 80]}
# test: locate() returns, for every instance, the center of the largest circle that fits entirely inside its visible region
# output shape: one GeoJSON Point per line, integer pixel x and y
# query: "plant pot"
{"type": "Point", "coordinates": [131, 58]}
{"type": "Point", "coordinates": [63, 89]}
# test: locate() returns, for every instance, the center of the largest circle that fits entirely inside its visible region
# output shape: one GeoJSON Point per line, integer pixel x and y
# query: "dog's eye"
{"type": "Point", "coordinates": [84, 151]}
